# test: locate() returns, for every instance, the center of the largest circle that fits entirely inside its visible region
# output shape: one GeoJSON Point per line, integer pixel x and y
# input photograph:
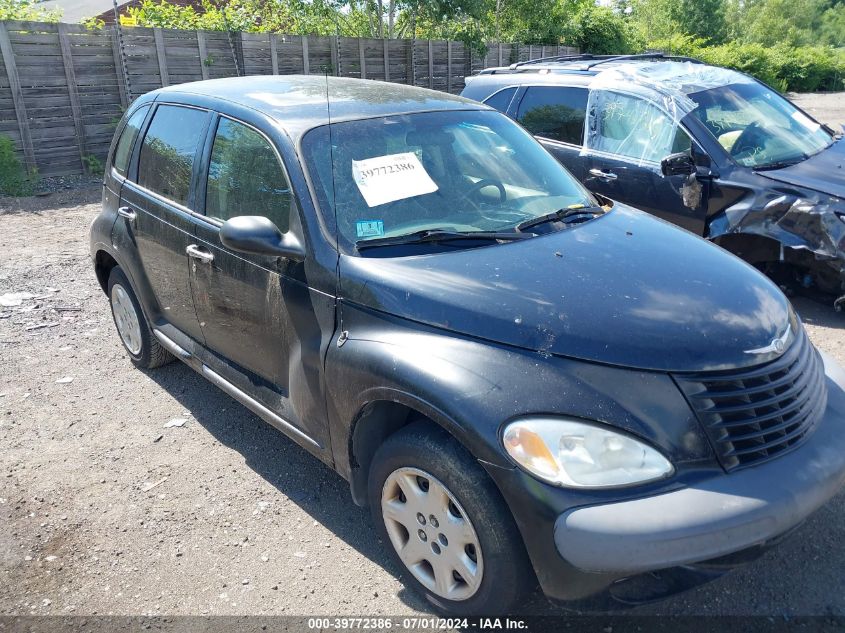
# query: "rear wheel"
{"type": "Point", "coordinates": [446, 524]}
{"type": "Point", "coordinates": [132, 326]}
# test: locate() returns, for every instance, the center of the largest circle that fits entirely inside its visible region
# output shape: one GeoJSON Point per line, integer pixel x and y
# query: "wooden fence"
{"type": "Point", "coordinates": [63, 87]}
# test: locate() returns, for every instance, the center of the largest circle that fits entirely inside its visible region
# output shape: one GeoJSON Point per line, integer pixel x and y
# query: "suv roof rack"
{"type": "Point", "coordinates": [596, 60]}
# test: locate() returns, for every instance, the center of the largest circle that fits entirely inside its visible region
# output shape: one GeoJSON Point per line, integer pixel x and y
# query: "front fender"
{"type": "Point", "coordinates": [472, 387]}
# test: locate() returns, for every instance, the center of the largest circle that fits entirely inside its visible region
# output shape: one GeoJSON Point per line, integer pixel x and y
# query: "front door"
{"type": "Point", "coordinates": [255, 309]}
{"type": "Point", "coordinates": [155, 209]}
{"type": "Point", "coordinates": [627, 137]}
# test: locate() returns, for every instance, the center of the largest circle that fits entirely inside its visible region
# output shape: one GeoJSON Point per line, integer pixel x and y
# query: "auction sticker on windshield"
{"type": "Point", "coordinates": [393, 177]}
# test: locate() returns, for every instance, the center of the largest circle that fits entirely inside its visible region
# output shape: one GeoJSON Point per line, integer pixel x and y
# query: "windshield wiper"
{"type": "Point", "coordinates": [559, 215]}
{"type": "Point", "coordinates": [440, 235]}
{"type": "Point", "coordinates": [780, 164]}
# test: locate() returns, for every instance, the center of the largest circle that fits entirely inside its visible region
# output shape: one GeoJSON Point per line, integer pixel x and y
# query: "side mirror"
{"type": "Point", "coordinates": [680, 164]}
{"type": "Point", "coordinates": [257, 235]}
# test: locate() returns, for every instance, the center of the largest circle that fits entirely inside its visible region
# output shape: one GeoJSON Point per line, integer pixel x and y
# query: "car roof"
{"type": "Point", "coordinates": [298, 102]}
{"type": "Point", "coordinates": [671, 76]}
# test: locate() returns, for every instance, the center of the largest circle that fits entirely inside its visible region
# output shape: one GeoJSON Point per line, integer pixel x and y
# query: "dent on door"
{"type": "Point", "coordinates": [262, 316]}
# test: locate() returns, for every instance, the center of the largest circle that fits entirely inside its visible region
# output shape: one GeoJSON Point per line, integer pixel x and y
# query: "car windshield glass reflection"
{"type": "Point", "coordinates": [471, 171]}
{"type": "Point", "coordinates": [758, 127]}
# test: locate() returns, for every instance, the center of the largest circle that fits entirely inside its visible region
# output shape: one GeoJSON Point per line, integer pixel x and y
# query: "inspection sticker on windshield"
{"type": "Point", "coordinates": [393, 177]}
{"type": "Point", "coordinates": [369, 228]}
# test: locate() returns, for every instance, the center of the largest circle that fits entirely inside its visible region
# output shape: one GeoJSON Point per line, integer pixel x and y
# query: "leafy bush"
{"type": "Point", "coordinates": [797, 68]}
{"type": "Point", "coordinates": [14, 180]}
{"type": "Point", "coordinates": [599, 30]}
{"type": "Point", "coordinates": [93, 165]}
{"type": "Point", "coordinates": [27, 10]}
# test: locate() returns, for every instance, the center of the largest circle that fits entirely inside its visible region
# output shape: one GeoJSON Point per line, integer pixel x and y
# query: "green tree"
{"type": "Point", "coordinates": [600, 30]}
{"type": "Point", "coordinates": [27, 10]}
{"type": "Point", "coordinates": [700, 19]}
{"type": "Point", "coordinates": [789, 22]}
{"type": "Point", "coordinates": [831, 28]}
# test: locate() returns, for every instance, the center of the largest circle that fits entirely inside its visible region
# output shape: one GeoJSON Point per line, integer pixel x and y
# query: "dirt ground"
{"type": "Point", "coordinates": [828, 108]}
{"type": "Point", "coordinates": [105, 510]}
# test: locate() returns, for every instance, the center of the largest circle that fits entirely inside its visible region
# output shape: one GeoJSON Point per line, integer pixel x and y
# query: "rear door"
{"type": "Point", "coordinates": [155, 207]}
{"type": "Point", "coordinates": [627, 137]}
{"type": "Point", "coordinates": [255, 310]}
{"type": "Point", "coordinates": [555, 116]}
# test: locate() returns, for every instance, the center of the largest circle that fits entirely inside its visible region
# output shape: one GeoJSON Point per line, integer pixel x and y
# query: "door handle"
{"type": "Point", "coordinates": [604, 175]}
{"type": "Point", "coordinates": [128, 213]}
{"type": "Point", "coordinates": [197, 253]}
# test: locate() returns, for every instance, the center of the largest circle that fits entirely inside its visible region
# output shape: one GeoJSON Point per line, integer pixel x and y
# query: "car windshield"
{"type": "Point", "coordinates": [455, 171]}
{"type": "Point", "coordinates": [757, 126]}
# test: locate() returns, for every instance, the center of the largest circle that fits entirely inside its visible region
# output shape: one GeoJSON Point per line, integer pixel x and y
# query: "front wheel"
{"type": "Point", "coordinates": [447, 526]}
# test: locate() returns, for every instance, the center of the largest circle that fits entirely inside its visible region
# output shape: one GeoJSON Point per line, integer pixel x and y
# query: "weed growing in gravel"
{"type": "Point", "coordinates": [14, 179]}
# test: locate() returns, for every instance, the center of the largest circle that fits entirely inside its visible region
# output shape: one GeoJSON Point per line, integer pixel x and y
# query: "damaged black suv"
{"type": "Point", "coordinates": [712, 150]}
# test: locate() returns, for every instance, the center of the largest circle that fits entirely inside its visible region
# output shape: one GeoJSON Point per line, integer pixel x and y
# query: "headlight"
{"type": "Point", "coordinates": [576, 454]}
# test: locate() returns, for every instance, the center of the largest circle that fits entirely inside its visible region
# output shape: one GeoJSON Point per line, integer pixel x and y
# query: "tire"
{"type": "Point", "coordinates": [424, 450]}
{"type": "Point", "coordinates": [139, 342]}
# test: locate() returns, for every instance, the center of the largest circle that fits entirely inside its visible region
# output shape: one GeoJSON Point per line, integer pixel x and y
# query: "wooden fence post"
{"type": "Point", "coordinates": [203, 54]}
{"type": "Point", "coordinates": [430, 66]}
{"type": "Point", "coordinates": [274, 55]}
{"type": "Point", "coordinates": [305, 60]}
{"type": "Point", "coordinates": [119, 67]}
{"type": "Point", "coordinates": [449, 66]}
{"type": "Point", "coordinates": [386, 60]}
{"type": "Point", "coordinates": [73, 93]}
{"type": "Point", "coordinates": [362, 60]}
{"type": "Point", "coordinates": [17, 97]}
{"type": "Point", "coordinates": [162, 56]}
{"type": "Point", "coordinates": [412, 71]}
{"type": "Point", "coordinates": [334, 51]}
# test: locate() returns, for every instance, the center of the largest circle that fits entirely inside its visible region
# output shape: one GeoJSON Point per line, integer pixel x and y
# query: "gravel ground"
{"type": "Point", "coordinates": [828, 108]}
{"type": "Point", "coordinates": [104, 510]}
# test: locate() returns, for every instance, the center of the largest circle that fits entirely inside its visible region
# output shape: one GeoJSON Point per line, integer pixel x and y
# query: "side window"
{"type": "Point", "coordinates": [169, 150]}
{"type": "Point", "coordinates": [634, 128]}
{"type": "Point", "coordinates": [681, 143]}
{"type": "Point", "coordinates": [245, 177]}
{"type": "Point", "coordinates": [501, 100]}
{"type": "Point", "coordinates": [555, 113]}
{"type": "Point", "coordinates": [123, 151]}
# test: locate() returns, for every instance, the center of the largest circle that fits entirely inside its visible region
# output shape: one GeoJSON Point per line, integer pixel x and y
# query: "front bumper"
{"type": "Point", "coordinates": [711, 519]}
{"type": "Point", "coordinates": [600, 544]}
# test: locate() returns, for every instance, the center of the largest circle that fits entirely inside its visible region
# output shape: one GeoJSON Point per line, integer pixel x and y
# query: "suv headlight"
{"type": "Point", "coordinates": [566, 452]}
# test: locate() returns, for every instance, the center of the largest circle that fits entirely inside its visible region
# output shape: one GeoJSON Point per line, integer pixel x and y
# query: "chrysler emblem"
{"type": "Point", "coordinates": [777, 345]}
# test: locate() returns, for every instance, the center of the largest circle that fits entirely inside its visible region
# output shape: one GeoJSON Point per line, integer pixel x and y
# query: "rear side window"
{"type": "Point", "coordinates": [169, 149]}
{"type": "Point", "coordinates": [501, 100]}
{"type": "Point", "coordinates": [123, 151]}
{"type": "Point", "coordinates": [245, 177]}
{"type": "Point", "coordinates": [554, 112]}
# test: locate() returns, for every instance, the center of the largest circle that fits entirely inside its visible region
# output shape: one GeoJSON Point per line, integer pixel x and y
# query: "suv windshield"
{"type": "Point", "coordinates": [757, 126]}
{"type": "Point", "coordinates": [456, 171]}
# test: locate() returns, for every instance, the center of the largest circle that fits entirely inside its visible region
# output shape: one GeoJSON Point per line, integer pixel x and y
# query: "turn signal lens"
{"type": "Point", "coordinates": [529, 449]}
{"type": "Point", "coordinates": [578, 454]}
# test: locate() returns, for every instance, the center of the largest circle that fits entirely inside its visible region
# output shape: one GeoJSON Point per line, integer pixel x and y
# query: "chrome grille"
{"type": "Point", "coordinates": [754, 414]}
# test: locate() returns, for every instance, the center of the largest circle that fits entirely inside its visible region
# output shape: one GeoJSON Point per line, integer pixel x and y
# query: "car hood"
{"type": "Point", "coordinates": [624, 289]}
{"type": "Point", "coordinates": [823, 172]}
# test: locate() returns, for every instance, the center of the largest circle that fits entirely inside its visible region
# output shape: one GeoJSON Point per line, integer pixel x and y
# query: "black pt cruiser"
{"type": "Point", "coordinates": [526, 382]}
